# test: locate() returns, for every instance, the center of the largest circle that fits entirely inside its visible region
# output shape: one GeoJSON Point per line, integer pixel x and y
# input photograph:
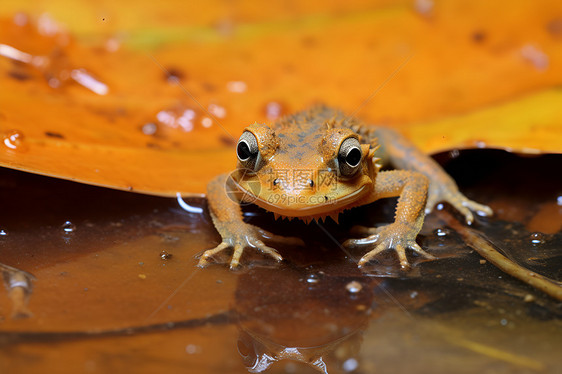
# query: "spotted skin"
{"type": "Point", "coordinates": [300, 169]}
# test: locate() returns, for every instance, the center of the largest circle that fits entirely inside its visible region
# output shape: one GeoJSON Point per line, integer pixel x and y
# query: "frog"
{"type": "Point", "coordinates": [319, 162]}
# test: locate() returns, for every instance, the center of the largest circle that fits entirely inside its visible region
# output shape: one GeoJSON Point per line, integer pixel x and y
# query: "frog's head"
{"type": "Point", "coordinates": [309, 174]}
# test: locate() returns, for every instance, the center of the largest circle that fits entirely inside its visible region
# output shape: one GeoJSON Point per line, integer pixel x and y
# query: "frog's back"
{"type": "Point", "coordinates": [308, 126]}
{"type": "Point", "coordinates": [314, 120]}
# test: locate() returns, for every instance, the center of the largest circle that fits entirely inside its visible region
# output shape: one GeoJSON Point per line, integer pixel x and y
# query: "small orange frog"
{"type": "Point", "coordinates": [318, 163]}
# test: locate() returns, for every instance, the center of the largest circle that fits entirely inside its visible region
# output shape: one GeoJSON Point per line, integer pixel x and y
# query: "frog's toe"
{"type": "Point", "coordinates": [272, 252]}
{"type": "Point", "coordinates": [398, 244]}
{"type": "Point", "coordinates": [371, 254]}
{"type": "Point", "coordinates": [358, 243]}
{"type": "Point", "coordinates": [461, 203]}
{"type": "Point", "coordinates": [416, 248]}
{"type": "Point", "coordinates": [204, 260]}
{"type": "Point", "coordinates": [466, 207]}
{"type": "Point", "coordinates": [481, 209]}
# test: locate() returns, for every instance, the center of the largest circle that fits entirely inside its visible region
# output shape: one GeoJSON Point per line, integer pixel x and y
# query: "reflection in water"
{"type": "Point", "coordinates": [316, 312]}
{"type": "Point", "coordinates": [282, 316]}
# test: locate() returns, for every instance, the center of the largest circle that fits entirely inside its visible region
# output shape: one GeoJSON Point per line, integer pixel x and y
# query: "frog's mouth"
{"type": "Point", "coordinates": [304, 206]}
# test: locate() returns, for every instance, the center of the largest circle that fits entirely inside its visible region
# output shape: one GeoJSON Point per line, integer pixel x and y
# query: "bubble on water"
{"type": "Point", "coordinates": [312, 278]}
{"type": "Point", "coordinates": [537, 238]}
{"type": "Point", "coordinates": [68, 227]}
{"type": "Point", "coordinates": [353, 287]}
{"type": "Point", "coordinates": [165, 255]}
{"type": "Point", "coordinates": [441, 232]}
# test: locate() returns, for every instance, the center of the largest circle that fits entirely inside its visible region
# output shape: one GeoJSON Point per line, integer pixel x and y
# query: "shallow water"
{"type": "Point", "coordinates": [117, 289]}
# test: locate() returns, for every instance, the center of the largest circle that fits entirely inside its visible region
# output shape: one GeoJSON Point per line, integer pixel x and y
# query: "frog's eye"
{"type": "Point", "coordinates": [349, 157]}
{"type": "Point", "coordinates": [247, 150]}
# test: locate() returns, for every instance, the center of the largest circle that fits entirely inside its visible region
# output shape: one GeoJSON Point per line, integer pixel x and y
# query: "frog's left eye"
{"type": "Point", "coordinates": [349, 157]}
{"type": "Point", "coordinates": [247, 150]}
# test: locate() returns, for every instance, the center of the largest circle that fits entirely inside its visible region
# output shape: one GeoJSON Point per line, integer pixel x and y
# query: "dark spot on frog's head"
{"type": "Point", "coordinates": [19, 75]}
{"type": "Point", "coordinates": [52, 134]}
{"type": "Point", "coordinates": [478, 36]}
{"type": "Point", "coordinates": [174, 74]}
{"type": "Point", "coordinates": [227, 140]}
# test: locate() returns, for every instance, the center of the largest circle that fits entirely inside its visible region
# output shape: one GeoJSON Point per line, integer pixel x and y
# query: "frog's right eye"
{"type": "Point", "coordinates": [247, 150]}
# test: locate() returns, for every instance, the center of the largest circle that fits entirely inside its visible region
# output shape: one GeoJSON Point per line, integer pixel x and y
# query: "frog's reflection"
{"type": "Point", "coordinates": [315, 315]}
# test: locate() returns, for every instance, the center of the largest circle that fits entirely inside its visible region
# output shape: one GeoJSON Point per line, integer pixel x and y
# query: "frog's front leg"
{"type": "Point", "coordinates": [410, 212]}
{"type": "Point", "coordinates": [402, 154]}
{"type": "Point", "coordinates": [236, 234]}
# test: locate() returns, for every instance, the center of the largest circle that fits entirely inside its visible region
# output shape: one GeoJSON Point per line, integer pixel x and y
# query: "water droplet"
{"type": "Point", "coordinates": [206, 122]}
{"type": "Point", "coordinates": [149, 128]}
{"type": "Point", "coordinates": [535, 56]}
{"type": "Point", "coordinates": [112, 44]}
{"type": "Point", "coordinates": [353, 287]}
{"type": "Point", "coordinates": [13, 139]}
{"type": "Point", "coordinates": [312, 278]}
{"type": "Point", "coordinates": [559, 200]}
{"type": "Point", "coordinates": [424, 7]}
{"type": "Point", "coordinates": [413, 294]}
{"type": "Point", "coordinates": [191, 349]}
{"type": "Point", "coordinates": [237, 86]}
{"type": "Point", "coordinates": [68, 227]}
{"type": "Point", "coordinates": [274, 110]}
{"type": "Point", "coordinates": [537, 238]}
{"type": "Point", "coordinates": [86, 79]}
{"type": "Point", "coordinates": [164, 255]}
{"type": "Point", "coordinates": [454, 153]}
{"type": "Point", "coordinates": [21, 19]}
{"type": "Point", "coordinates": [217, 110]}
{"type": "Point", "coordinates": [441, 232]}
{"type": "Point", "coordinates": [503, 322]}
{"type": "Point", "coordinates": [54, 83]}
{"type": "Point", "coordinates": [3, 233]}
{"type": "Point", "coordinates": [350, 365]}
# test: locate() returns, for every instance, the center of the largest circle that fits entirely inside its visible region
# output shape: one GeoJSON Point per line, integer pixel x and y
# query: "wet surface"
{"type": "Point", "coordinates": [117, 288]}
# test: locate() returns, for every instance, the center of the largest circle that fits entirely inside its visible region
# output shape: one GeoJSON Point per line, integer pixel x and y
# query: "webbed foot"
{"type": "Point", "coordinates": [451, 194]}
{"type": "Point", "coordinates": [395, 236]}
{"type": "Point", "coordinates": [247, 236]}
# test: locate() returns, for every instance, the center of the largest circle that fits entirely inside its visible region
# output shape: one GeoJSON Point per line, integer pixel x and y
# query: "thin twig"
{"type": "Point", "coordinates": [486, 250]}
